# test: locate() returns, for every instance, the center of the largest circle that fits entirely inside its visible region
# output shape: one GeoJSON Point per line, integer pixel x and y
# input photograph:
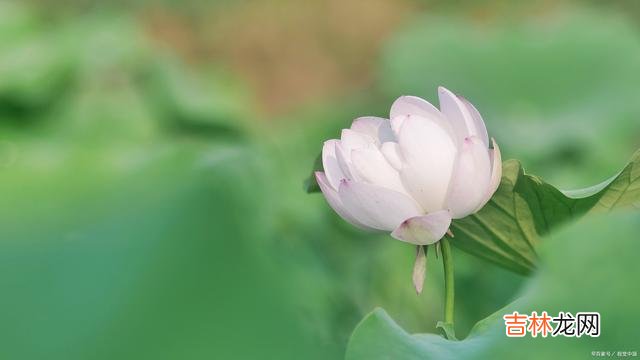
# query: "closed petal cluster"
{"type": "Point", "coordinates": [413, 173]}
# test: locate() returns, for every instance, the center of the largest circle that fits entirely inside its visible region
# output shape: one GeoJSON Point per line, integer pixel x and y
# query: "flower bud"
{"type": "Point", "coordinates": [413, 173]}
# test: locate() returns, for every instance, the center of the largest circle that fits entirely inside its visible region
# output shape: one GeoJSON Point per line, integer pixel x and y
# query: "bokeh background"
{"type": "Point", "coordinates": [152, 156]}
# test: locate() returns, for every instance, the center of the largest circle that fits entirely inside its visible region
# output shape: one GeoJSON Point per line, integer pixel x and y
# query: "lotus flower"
{"type": "Point", "coordinates": [412, 174]}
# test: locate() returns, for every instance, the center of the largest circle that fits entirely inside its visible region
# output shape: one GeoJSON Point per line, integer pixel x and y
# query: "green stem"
{"type": "Point", "coordinates": [447, 262]}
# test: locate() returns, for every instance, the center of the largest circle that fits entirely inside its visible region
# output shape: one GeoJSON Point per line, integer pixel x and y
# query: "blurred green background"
{"type": "Point", "coordinates": [152, 156]}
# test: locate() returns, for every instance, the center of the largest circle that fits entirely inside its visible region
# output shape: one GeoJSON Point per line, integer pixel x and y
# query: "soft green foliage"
{"type": "Point", "coordinates": [107, 260]}
{"type": "Point", "coordinates": [584, 267]}
{"type": "Point", "coordinates": [130, 219]}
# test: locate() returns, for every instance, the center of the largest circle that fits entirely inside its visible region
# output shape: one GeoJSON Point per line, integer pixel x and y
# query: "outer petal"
{"type": "Point", "coordinates": [372, 167]}
{"type": "Point", "coordinates": [478, 122]}
{"type": "Point", "coordinates": [408, 106]}
{"type": "Point", "coordinates": [496, 174]}
{"type": "Point", "coordinates": [375, 206]}
{"type": "Point", "coordinates": [470, 179]}
{"type": "Point", "coordinates": [463, 116]}
{"type": "Point", "coordinates": [330, 163]}
{"type": "Point", "coordinates": [350, 140]}
{"type": "Point", "coordinates": [424, 230]}
{"type": "Point", "coordinates": [429, 154]}
{"type": "Point", "coordinates": [376, 127]}
{"type": "Point", "coordinates": [334, 201]}
{"type": "Point", "coordinates": [413, 105]}
{"type": "Point", "coordinates": [344, 162]}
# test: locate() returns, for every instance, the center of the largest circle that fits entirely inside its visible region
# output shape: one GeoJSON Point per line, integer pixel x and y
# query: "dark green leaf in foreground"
{"type": "Point", "coordinates": [589, 266]}
{"type": "Point", "coordinates": [524, 208]}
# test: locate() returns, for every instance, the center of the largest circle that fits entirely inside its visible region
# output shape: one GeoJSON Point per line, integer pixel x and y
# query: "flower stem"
{"type": "Point", "coordinates": [447, 262]}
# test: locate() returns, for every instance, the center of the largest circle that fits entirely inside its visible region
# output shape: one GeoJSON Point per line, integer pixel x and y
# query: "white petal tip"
{"type": "Point", "coordinates": [443, 90]}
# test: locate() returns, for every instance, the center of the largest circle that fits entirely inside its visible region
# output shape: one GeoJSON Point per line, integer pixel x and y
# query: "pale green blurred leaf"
{"type": "Point", "coordinates": [108, 251]}
{"type": "Point", "coordinates": [203, 102]}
